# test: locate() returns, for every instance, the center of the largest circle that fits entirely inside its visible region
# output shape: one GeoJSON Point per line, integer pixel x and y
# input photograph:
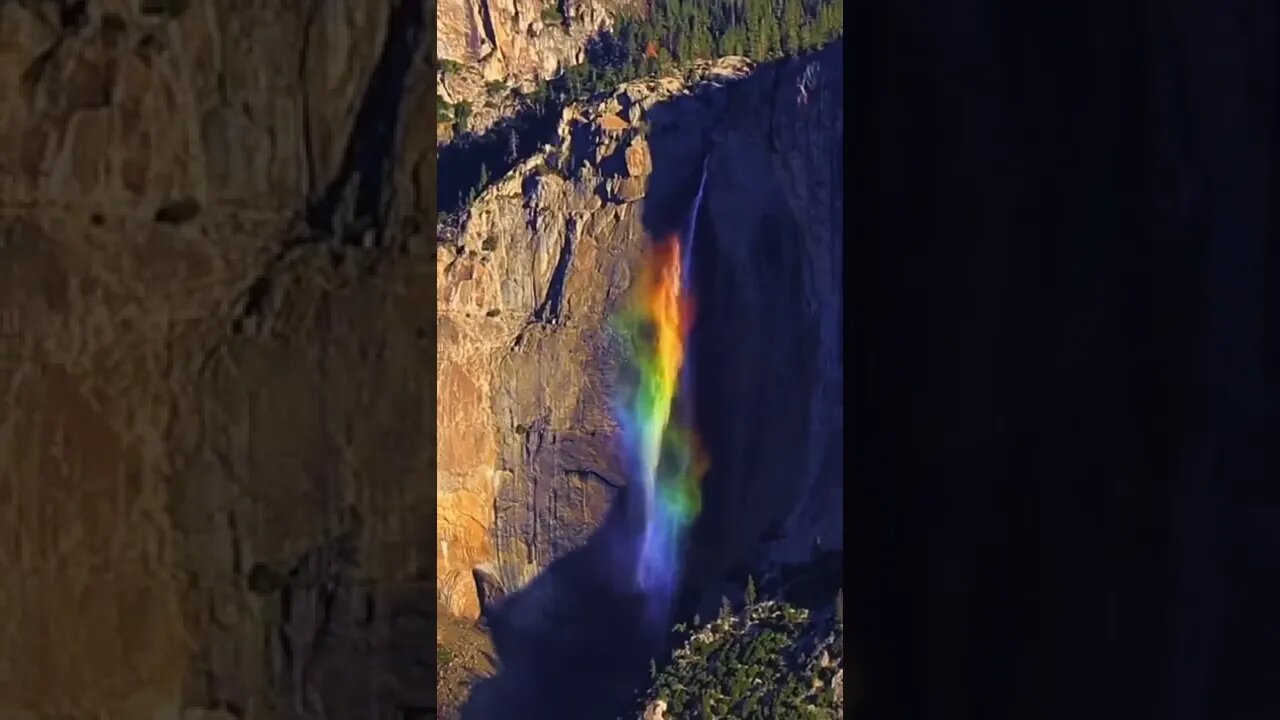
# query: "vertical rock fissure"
{"type": "Point", "coordinates": [549, 310]}
{"type": "Point", "coordinates": [367, 160]}
{"type": "Point", "coordinates": [473, 35]}
{"type": "Point", "coordinates": [486, 18]}
{"type": "Point", "coordinates": [308, 148]}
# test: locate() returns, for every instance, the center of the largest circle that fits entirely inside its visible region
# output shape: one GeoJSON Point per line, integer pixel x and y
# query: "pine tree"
{"type": "Point", "coordinates": [792, 21]}
{"type": "Point", "coordinates": [759, 26]}
{"type": "Point", "coordinates": [726, 608]}
{"type": "Point", "coordinates": [773, 35]}
{"type": "Point", "coordinates": [751, 590]}
{"type": "Point", "coordinates": [678, 31]}
{"type": "Point", "coordinates": [704, 44]}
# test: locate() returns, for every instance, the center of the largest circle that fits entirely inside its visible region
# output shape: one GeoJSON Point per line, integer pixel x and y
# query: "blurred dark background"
{"type": "Point", "coordinates": [1062, 223]}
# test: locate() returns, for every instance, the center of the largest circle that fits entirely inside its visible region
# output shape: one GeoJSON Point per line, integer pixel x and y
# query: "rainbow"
{"type": "Point", "coordinates": [667, 461]}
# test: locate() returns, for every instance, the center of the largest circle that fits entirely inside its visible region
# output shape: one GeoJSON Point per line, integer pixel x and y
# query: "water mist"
{"type": "Point", "coordinates": [655, 412]}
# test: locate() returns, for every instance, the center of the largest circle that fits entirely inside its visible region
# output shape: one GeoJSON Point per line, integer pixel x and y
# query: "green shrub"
{"type": "Point", "coordinates": [551, 15]}
{"type": "Point", "coordinates": [461, 114]}
{"type": "Point", "coordinates": [769, 660]}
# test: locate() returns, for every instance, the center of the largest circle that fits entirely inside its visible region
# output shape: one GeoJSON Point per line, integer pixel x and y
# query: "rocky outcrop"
{"type": "Point", "coordinates": [214, 436]}
{"type": "Point", "coordinates": [491, 46]}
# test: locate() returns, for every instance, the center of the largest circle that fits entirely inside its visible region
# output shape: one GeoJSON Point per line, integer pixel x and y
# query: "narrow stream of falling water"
{"type": "Point", "coordinates": [686, 395]}
{"type": "Point", "coordinates": [691, 227]}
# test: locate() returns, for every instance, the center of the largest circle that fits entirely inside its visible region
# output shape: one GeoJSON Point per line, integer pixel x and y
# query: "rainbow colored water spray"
{"type": "Point", "coordinates": [656, 418]}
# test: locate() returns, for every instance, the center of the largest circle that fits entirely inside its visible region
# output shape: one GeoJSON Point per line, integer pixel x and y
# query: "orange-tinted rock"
{"type": "Point", "coordinates": [613, 123]}
{"type": "Point", "coordinates": [463, 421]}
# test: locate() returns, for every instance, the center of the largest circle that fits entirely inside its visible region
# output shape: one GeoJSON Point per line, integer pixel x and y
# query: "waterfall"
{"type": "Point", "coordinates": [686, 393]}
{"type": "Point", "coordinates": [690, 229]}
{"type": "Point", "coordinates": [657, 414]}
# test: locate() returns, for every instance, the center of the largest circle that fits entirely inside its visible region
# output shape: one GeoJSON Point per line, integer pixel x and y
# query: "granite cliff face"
{"type": "Point", "coordinates": [491, 46]}
{"type": "Point", "coordinates": [214, 427]}
{"type": "Point", "coordinates": [527, 467]}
